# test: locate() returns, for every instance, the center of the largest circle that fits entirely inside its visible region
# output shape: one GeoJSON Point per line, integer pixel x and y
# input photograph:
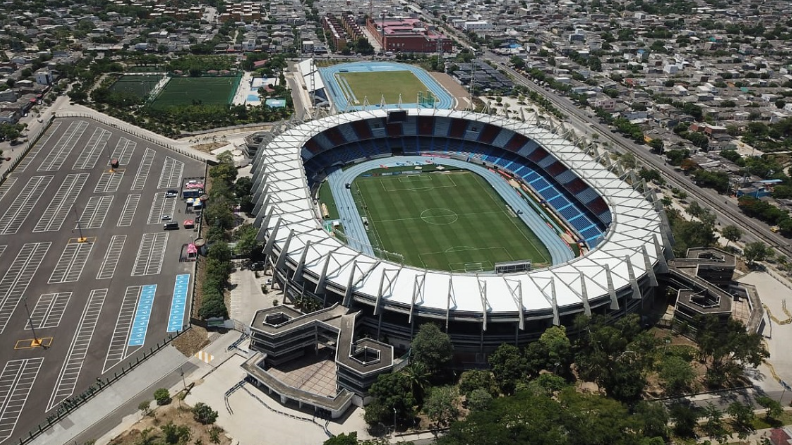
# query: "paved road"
{"type": "Point", "coordinates": [726, 209]}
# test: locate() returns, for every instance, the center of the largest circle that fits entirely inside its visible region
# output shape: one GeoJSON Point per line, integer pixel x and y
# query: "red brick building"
{"type": "Point", "coordinates": [407, 35]}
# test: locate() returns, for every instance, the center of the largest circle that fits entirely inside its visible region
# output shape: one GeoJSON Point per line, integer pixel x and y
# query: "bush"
{"type": "Point", "coordinates": [162, 396]}
{"type": "Point", "coordinates": [204, 413]}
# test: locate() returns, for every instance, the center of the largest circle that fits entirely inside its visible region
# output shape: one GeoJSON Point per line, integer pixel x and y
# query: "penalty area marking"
{"type": "Point", "coordinates": [409, 180]}
{"type": "Point", "coordinates": [461, 266]}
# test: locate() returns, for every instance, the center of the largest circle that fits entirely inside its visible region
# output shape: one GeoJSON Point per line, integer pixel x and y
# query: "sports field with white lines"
{"type": "Point", "coordinates": [450, 221]}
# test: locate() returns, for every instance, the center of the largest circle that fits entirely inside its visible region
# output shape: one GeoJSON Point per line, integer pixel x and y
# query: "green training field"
{"type": "Point", "coordinates": [193, 90]}
{"type": "Point", "coordinates": [375, 84]}
{"type": "Point", "coordinates": [140, 86]}
{"type": "Point", "coordinates": [445, 221]}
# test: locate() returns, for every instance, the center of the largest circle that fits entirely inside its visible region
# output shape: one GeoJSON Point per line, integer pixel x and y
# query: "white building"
{"type": "Point", "coordinates": [478, 25]}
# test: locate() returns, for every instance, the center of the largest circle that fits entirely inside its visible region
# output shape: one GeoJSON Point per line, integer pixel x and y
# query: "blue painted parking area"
{"type": "Point", "coordinates": [137, 335]}
{"type": "Point", "coordinates": [176, 317]}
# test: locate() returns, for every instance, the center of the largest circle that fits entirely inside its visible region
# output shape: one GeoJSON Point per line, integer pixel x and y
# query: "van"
{"type": "Point", "coordinates": [170, 226]}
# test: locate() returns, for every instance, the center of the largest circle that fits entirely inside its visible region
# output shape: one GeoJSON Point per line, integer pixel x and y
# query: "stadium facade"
{"type": "Point", "coordinates": [621, 229]}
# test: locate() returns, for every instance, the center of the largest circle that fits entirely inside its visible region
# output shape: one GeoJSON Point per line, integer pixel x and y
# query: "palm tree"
{"type": "Point", "coordinates": [419, 379]}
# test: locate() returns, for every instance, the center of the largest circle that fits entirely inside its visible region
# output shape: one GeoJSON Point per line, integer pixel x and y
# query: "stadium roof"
{"type": "Point", "coordinates": [632, 246]}
{"type": "Point", "coordinates": [309, 71]}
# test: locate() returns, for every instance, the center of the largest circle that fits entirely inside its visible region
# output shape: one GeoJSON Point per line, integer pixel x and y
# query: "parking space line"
{"type": "Point", "coordinates": [137, 336]}
{"type": "Point", "coordinates": [70, 372]}
{"type": "Point", "coordinates": [49, 310]}
{"type": "Point", "coordinates": [18, 277]}
{"type": "Point", "coordinates": [171, 175]}
{"type": "Point", "coordinates": [151, 254]}
{"type": "Point", "coordinates": [161, 205]}
{"type": "Point", "coordinates": [117, 350]}
{"type": "Point", "coordinates": [6, 186]}
{"type": "Point", "coordinates": [109, 182]}
{"type": "Point", "coordinates": [179, 301]}
{"type": "Point", "coordinates": [95, 212]}
{"type": "Point", "coordinates": [18, 211]}
{"type": "Point", "coordinates": [57, 156]}
{"type": "Point", "coordinates": [113, 254]}
{"type": "Point", "coordinates": [92, 150]}
{"type": "Point", "coordinates": [123, 151]}
{"type": "Point", "coordinates": [16, 381]}
{"type": "Point", "coordinates": [143, 170]}
{"type": "Point", "coordinates": [28, 159]}
{"type": "Point", "coordinates": [2, 249]}
{"type": "Point", "coordinates": [130, 206]}
{"type": "Point", "coordinates": [60, 205]}
{"type": "Point", "coordinates": [71, 263]}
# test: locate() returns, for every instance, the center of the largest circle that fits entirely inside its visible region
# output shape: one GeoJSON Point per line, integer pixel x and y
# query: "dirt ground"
{"type": "Point", "coordinates": [177, 412]}
{"type": "Point", "coordinates": [207, 148]}
{"type": "Point", "coordinates": [192, 341]}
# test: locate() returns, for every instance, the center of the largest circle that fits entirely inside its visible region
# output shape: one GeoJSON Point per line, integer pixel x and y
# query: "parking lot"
{"type": "Point", "coordinates": [88, 276]}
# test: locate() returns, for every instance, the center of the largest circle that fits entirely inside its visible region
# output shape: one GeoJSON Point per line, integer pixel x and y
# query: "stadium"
{"type": "Point", "coordinates": [608, 241]}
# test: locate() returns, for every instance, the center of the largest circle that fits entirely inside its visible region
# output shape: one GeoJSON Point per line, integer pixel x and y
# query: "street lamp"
{"type": "Point", "coordinates": [394, 421]}
{"type": "Point", "coordinates": [785, 386]}
{"type": "Point", "coordinates": [36, 339]}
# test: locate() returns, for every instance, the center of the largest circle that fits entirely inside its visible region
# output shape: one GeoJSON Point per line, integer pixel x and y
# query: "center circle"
{"type": "Point", "coordinates": [439, 216]}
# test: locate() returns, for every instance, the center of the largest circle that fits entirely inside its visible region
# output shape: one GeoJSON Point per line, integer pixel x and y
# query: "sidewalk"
{"type": "Point", "coordinates": [114, 401]}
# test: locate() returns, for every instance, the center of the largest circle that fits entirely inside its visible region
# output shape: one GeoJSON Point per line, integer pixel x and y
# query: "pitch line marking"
{"type": "Point", "coordinates": [522, 232]}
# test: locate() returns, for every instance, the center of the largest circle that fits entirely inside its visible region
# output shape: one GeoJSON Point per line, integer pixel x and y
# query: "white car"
{"type": "Point", "coordinates": [166, 217]}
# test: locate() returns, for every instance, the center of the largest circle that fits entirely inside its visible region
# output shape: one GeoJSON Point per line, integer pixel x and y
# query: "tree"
{"type": "Point", "coordinates": [214, 434]}
{"type": "Point", "coordinates": [204, 413]}
{"type": "Point", "coordinates": [685, 419]}
{"type": "Point", "coordinates": [225, 170]}
{"type": "Point", "coordinates": [628, 160]}
{"type": "Point", "coordinates": [694, 209]}
{"type": "Point", "coordinates": [677, 373]}
{"type": "Point", "coordinates": [657, 145]}
{"type": "Point", "coordinates": [391, 392]}
{"type": "Point", "coordinates": [773, 407]}
{"type": "Point", "coordinates": [508, 366]}
{"type": "Point", "coordinates": [479, 399]}
{"type": "Point", "coordinates": [653, 419]}
{"type": "Point", "coordinates": [162, 396]}
{"type": "Point", "coordinates": [145, 407]}
{"type": "Point", "coordinates": [713, 425]}
{"type": "Point", "coordinates": [175, 434]}
{"type": "Point", "coordinates": [475, 379]}
{"type": "Point", "coordinates": [343, 439]}
{"type": "Point", "coordinates": [419, 379]}
{"type": "Point", "coordinates": [726, 346]}
{"type": "Point", "coordinates": [558, 346]}
{"type": "Point", "coordinates": [247, 242]}
{"type": "Point", "coordinates": [732, 233]}
{"type": "Point", "coordinates": [432, 347]}
{"type": "Point", "coordinates": [441, 405]}
{"type": "Point", "coordinates": [742, 417]}
{"type": "Point", "coordinates": [757, 251]}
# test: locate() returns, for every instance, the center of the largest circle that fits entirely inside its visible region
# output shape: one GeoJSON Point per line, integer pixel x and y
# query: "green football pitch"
{"type": "Point", "coordinates": [138, 85]}
{"type": "Point", "coordinates": [193, 90]}
{"type": "Point", "coordinates": [445, 221]}
{"type": "Point", "coordinates": [376, 84]}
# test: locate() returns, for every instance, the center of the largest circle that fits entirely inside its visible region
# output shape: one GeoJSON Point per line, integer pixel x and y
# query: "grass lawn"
{"type": "Point", "coordinates": [137, 85]}
{"type": "Point", "coordinates": [376, 84]}
{"type": "Point", "coordinates": [191, 90]}
{"type": "Point", "coordinates": [445, 221]}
